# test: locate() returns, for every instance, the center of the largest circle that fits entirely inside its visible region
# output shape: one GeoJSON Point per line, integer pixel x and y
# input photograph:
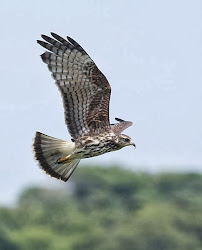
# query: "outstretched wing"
{"type": "Point", "coordinates": [85, 90]}
{"type": "Point", "coordinates": [119, 127]}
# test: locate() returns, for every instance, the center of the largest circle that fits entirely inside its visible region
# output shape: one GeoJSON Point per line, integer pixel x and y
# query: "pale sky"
{"type": "Point", "coordinates": [151, 53]}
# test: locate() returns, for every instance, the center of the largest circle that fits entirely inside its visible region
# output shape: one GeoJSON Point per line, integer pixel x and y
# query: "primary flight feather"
{"type": "Point", "coordinates": [86, 93]}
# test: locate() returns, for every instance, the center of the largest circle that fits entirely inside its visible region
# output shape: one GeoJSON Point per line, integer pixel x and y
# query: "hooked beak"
{"type": "Point", "coordinates": [134, 145]}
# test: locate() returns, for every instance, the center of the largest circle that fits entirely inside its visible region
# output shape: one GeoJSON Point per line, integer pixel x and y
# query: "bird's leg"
{"type": "Point", "coordinates": [64, 159]}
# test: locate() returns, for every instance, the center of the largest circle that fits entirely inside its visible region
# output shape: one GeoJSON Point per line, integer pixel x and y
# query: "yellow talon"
{"type": "Point", "coordinates": [64, 159]}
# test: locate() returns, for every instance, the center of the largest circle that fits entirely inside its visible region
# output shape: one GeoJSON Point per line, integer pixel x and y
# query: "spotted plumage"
{"type": "Point", "coordinates": [86, 93]}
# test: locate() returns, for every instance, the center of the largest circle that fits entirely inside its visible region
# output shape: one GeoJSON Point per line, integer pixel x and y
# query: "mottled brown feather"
{"type": "Point", "coordinates": [85, 90]}
{"type": "Point", "coordinates": [119, 127]}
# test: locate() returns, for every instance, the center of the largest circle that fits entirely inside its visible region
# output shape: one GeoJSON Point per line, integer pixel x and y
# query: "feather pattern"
{"type": "Point", "coordinates": [84, 89]}
{"type": "Point", "coordinates": [48, 150]}
{"type": "Point", "coordinates": [86, 95]}
{"type": "Point", "coordinates": [121, 126]}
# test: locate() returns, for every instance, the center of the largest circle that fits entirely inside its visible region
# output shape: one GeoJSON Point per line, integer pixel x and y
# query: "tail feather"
{"type": "Point", "coordinates": [48, 150]}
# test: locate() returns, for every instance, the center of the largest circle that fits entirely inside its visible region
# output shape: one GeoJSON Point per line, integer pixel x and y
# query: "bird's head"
{"type": "Point", "coordinates": [125, 140]}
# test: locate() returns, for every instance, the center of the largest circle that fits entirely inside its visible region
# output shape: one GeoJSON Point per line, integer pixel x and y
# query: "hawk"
{"type": "Point", "coordinates": [86, 93]}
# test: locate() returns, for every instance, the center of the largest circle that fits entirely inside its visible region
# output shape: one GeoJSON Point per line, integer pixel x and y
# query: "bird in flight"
{"type": "Point", "coordinates": [86, 93]}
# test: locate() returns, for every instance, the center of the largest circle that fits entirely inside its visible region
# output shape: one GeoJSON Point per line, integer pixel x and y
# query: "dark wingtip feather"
{"type": "Point", "coordinates": [43, 58]}
{"type": "Point", "coordinates": [119, 120]}
{"type": "Point", "coordinates": [44, 37]}
{"type": "Point", "coordinates": [69, 38]}
{"type": "Point", "coordinates": [72, 41]}
{"type": "Point", "coordinates": [42, 43]}
{"type": "Point", "coordinates": [62, 40]}
{"type": "Point", "coordinates": [54, 35]}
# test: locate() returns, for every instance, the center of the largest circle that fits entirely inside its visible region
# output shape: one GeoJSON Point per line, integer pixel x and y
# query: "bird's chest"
{"type": "Point", "coordinates": [97, 147]}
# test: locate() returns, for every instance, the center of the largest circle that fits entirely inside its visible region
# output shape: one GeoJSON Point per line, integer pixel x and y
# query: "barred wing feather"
{"type": "Point", "coordinates": [84, 89]}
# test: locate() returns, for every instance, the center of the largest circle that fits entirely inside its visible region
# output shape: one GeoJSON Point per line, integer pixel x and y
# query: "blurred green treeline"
{"type": "Point", "coordinates": [108, 209]}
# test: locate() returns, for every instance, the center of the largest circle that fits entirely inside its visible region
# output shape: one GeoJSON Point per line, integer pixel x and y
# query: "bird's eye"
{"type": "Point", "coordinates": [127, 140]}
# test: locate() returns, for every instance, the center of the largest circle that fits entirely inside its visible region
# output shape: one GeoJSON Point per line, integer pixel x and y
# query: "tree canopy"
{"type": "Point", "coordinates": [108, 209]}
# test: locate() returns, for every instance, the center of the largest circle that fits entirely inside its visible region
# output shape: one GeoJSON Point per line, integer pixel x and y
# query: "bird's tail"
{"type": "Point", "coordinates": [54, 156]}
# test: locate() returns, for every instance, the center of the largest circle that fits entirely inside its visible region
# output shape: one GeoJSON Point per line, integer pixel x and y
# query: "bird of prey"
{"type": "Point", "coordinates": [86, 93]}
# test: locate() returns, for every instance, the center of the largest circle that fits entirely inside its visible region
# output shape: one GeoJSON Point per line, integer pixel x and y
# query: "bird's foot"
{"type": "Point", "coordinates": [64, 159]}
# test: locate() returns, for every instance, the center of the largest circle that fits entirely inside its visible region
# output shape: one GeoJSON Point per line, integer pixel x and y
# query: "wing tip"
{"type": "Point", "coordinates": [53, 34]}
{"type": "Point", "coordinates": [44, 37]}
{"type": "Point", "coordinates": [119, 120]}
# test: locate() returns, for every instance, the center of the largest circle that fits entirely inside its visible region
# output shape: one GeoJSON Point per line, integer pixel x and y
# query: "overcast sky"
{"type": "Point", "coordinates": [151, 53]}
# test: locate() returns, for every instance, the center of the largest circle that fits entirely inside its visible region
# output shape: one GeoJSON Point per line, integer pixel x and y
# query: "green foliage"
{"type": "Point", "coordinates": [6, 243]}
{"type": "Point", "coordinates": [108, 209]}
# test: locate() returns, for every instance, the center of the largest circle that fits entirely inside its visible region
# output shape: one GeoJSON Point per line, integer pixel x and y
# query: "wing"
{"type": "Point", "coordinates": [119, 127]}
{"type": "Point", "coordinates": [84, 89]}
